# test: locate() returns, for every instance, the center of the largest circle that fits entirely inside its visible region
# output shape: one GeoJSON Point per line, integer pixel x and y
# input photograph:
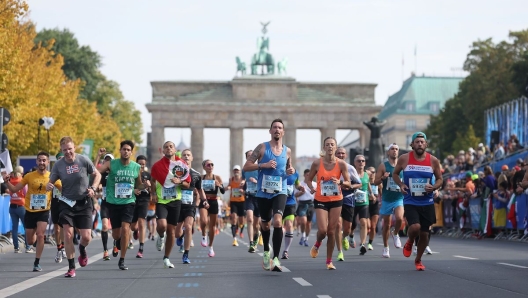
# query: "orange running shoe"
{"type": "Point", "coordinates": [407, 249]}
{"type": "Point", "coordinates": [419, 266]}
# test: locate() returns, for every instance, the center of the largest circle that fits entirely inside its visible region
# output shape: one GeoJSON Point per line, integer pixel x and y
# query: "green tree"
{"type": "Point", "coordinates": [465, 139]}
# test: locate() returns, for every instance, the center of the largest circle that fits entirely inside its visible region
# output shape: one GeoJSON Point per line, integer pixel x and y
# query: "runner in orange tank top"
{"type": "Point", "coordinates": [328, 197]}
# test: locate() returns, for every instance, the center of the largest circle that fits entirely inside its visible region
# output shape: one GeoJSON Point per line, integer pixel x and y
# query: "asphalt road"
{"type": "Point", "coordinates": [458, 268]}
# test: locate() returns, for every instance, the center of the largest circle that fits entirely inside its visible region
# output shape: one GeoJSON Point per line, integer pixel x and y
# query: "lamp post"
{"type": "Point", "coordinates": [47, 122]}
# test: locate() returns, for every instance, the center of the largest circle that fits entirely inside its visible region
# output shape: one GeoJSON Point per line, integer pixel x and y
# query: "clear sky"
{"type": "Point", "coordinates": [345, 41]}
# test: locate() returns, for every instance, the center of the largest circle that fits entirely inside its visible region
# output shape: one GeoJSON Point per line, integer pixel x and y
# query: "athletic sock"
{"type": "Point", "coordinates": [265, 239]}
{"type": "Point", "coordinates": [141, 247]}
{"type": "Point", "coordinates": [37, 260]}
{"type": "Point", "coordinates": [186, 252]}
{"type": "Point", "coordinates": [71, 263]}
{"type": "Point", "coordinates": [121, 260]}
{"type": "Point", "coordinates": [328, 261]}
{"type": "Point", "coordinates": [288, 237]}
{"type": "Point", "coordinates": [277, 241]}
{"type": "Point", "coordinates": [255, 237]}
{"type": "Point", "coordinates": [118, 243]}
{"type": "Point", "coordinates": [82, 250]}
{"type": "Point", "coordinates": [241, 229]}
{"type": "Point", "coordinates": [104, 238]}
{"type": "Point", "coordinates": [233, 231]}
{"type": "Point", "coordinates": [370, 241]}
{"type": "Point", "coordinates": [318, 243]}
{"type": "Point", "coordinates": [304, 235]}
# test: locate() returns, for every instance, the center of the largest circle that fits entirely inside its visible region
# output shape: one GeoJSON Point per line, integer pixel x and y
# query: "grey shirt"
{"type": "Point", "coordinates": [73, 176]}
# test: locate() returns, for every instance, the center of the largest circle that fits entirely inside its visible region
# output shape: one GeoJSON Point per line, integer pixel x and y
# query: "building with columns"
{"type": "Point", "coordinates": [253, 101]}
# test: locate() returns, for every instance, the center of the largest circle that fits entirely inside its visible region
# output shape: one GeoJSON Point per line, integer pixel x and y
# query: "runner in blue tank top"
{"type": "Point", "coordinates": [391, 199]}
{"type": "Point", "coordinates": [252, 210]}
{"type": "Point", "coordinates": [418, 168]}
{"type": "Point", "coordinates": [272, 160]}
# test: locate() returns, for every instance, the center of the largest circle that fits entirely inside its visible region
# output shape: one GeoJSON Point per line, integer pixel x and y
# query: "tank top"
{"type": "Point", "coordinates": [120, 182]}
{"type": "Point", "coordinates": [17, 198]}
{"type": "Point", "coordinates": [361, 195]}
{"type": "Point", "coordinates": [327, 190]}
{"type": "Point", "coordinates": [391, 191]}
{"type": "Point", "coordinates": [272, 182]}
{"type": "Point", "coordinates": [291, 181]}
{"type": "Point", "coordinates": [209, 187]}
{"type": "Point", "coordinates": [416, 175]}
{"type": "Point", "coordinates": [251, 187]}
{"type": "Point", "coordinates": [348, 194]}
{"type": "Point", "coordinates": [236, 195]}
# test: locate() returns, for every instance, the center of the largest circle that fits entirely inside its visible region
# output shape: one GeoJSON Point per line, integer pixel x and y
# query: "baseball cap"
{"type": "Point", "coordinates": [418, 134]}
{"type": "Point", "coordinates": [237, 167]}
{"type": "Point", "coordinates": [469, 174]}
{"type": "Point", "coordinates": [505, 167]}
{"type": "Point", "coordinates": [109, 155]}
{"type": "Point", "coordinates": [520, 161]}
{"type": "Point", "coordinates": [474, 177]}
{"type": "Point", "coordinates": [59, 155]}
{"type": "Point", "coordinates": [517, 168]}
{"type": "Point", "coordinates": [481, 145]}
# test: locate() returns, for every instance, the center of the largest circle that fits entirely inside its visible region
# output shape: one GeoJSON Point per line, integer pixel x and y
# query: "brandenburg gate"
{"type": "Point", "coordinates": [253, 101]}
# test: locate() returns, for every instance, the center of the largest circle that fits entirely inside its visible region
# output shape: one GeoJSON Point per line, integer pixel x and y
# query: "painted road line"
{"type": "Point", "coordinates": [302, 282]}
{"type": "Point", "coordinates": [323, 296]}
{"type": "Point", "coordinates": [513, 265]}
{"type": "Point", "coordinates": [29, 283]}
{"type": "Point", "coordinates": [260, 254]}
{"type": "Point", "coordinates": [284, 269]}
{"type": "Point", "coordinates": [467, 258]}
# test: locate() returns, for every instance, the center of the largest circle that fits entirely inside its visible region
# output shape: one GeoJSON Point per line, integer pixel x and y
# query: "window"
{"type": "Point", "coordinates": [409, 106]}
{"type": "Point", "coordinates": [410, 124]}
{"type": "Point", "coordinates": [434, 107]}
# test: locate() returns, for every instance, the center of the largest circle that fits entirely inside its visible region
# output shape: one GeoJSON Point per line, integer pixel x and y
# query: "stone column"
{"type": "Point", "coordinates": [157, 137]}
{"type": "Point", "coordinates": [290, 140]}
{"type": "Point", "coordinates": [197, 147]}
{"type": "Point", "coordinates": [363, 134]}
{"type": "Point", "coordinates": [236, 142]}
{"type": "Point", "coordinates": [327, 132]}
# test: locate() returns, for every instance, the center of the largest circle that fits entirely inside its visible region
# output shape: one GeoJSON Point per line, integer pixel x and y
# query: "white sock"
{"type": "Point", "coordinates": [304, 234]}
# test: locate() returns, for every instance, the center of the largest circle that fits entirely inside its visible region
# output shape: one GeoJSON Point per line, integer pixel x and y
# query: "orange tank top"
{"type": "Point", "coordinates": [236, 191]}
{"type": "Point", "coordinates": [328, 191]}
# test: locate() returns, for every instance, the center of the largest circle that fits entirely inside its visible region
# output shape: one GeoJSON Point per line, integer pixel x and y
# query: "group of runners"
{"type": "Point", "coordinates": [267, 191]}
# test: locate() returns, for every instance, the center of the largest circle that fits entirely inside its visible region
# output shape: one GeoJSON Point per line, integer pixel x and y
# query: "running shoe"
{"type": "Point", "coordinates": [130, 245]}
{"type": "Point", "coordinates": [179, 241]}
{"type": "Point", "coordinates": [260, 241]}
{"type": "Point", "coordinates": [396, 240]}
{"type": "Point", "coordinates": [30, 250]}
{"type": "Point", "coordinates": [251, 247]}
{"type": "Point", "coordinates": [241, 235]}
{"type": "Point", "coordinates": [160, 243]}
{"type": "Point", "coordinates": [345, 243]}
{"type": "Point", "coordinates": [369, 246]}
{"type": "Point", "coordinates": [428, 251]}
{"type": "Point", "coordinates": [276, 265]}
{"type": "Point", "coordinates": [181, 249]}
{"type": "Point", "coordinates": [70, 273]}
{"type": "Point", "coordinates": [63, 253]}
{"type": "Point", "coordinates": [192, 243]}
{"type": "Point", "coordinates": [330, 266]}
{"type": "Point", "coordinates": [352, 242]}
{"type": "Point", "coordinates": [314, 251]}
{"type": "Point", "coordinates": [386, 253]}
{"type": "Point", "coordinates": [340, 256]}
{"type": "Point", "coordinates": [211, 252]}
{"type": "Point", "coordinates": [306, 243]}
{"type": "Point", "coordinates": [204, 242]}
{"type": "Point", "coordinates": [152, 238]}
{"type": "Point", "coordinates": [419, 266]}
{"type": "Point", "coordinates": [362, 250]}
{"type": "Point", "coordinates": [83, 258]}
{"type": "Point", "coordinates": [115, 252]}
{"type": "Point", "coordinates": [122, 265]}
{"type": "Point", "coordinates": [37, 268]}
{"type": "Point", "coordinates": [139, 255]}
{"type": "Point", "coordinates": [135, 234]}
{"type": "Point", "coordinates": [235, 242]}
{"type": "Point", "coordinates": [284, 255]}
{"type": "Point", "coordinates": [407, 249]}
{"type": "Point", "coordinates": [167, 263]}
{"type": "Point", "coordinates": [266, 260]}
{"type": "Point", "coordinates": [415, 250]}
{"type": "Point", "coordinates": [185, 259]}
{"type": "Point", "coordinates": [106, 256]}
{"type": "Point", "coordinates": [301, 242]}
{"type": "Point", "coordinates": [58, 257]}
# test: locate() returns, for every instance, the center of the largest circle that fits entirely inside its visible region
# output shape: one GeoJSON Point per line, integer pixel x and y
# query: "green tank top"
{"type": "Point", "coordinates": [365, 181]}
{"type": "Point", "coordinates": [121, 181]}
{"type": "Point", "coordinates": [391, 191]}
{"type": "Point", "coordinates": [167, 195]}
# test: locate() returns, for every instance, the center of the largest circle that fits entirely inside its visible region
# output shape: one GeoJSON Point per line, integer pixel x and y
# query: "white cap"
{"type": "Point", "coordinates": [237, 167]}
{"type": "Point", "coordinates": [471, 149]}
{"type": "Point", "coordinates": [481, 145]}
{"type": "Point", "coordinates": [109, 155]}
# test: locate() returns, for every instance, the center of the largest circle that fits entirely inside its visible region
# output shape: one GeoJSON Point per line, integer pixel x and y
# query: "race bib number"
{"type": "Point", "coordinates": [289, 190]}
{"type": "Point", "coordinates": [70, 203]}
{"type": "Point", "coordinates": [251, 187]}
{"type": "Point", "coordinates": [236, 192]}
{"type": "Point", "coordinates": [123, 190]}
{"type": "Point", "coordinates": [329, 188]}
{"type": "Point", "coordinates": [417, 186]}
{"type": "Point", "coordinates": [374, 189]}
{"type": "Point", "coordinates": [392, 186]}
{"type": "Point", "coordinates": [271, 184]}
{"type": "Point", "coordinates": [56, 193]}
{"type": "Point", "coordinates": [38, 202]}
{"type": "Point", "coordinates": [168, 193]}
{"type": "Point", "coordinates": [208, 185]}
{"type": "Point", "coordinates": [187, 196]}
{"type": "Point", "coordinates": [360, 196]}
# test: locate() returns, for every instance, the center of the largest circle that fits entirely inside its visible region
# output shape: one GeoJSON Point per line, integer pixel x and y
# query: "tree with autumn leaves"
{"type": "Point", "coordinates": [33, 85]}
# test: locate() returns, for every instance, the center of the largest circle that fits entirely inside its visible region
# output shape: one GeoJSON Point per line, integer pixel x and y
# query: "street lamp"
{"type": "Point", "coordinates": [47, 122]}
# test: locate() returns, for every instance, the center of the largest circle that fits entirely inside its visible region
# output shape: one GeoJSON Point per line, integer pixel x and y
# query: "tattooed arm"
{"type": "Point", "coordinates": [252, 161]}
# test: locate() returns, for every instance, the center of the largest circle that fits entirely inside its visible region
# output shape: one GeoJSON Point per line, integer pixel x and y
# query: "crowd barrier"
{"type": "Point", "coordinates": [5, 220]}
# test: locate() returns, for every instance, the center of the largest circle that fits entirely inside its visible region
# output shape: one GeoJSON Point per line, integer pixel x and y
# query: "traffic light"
{"type": "Point", "coordinates": [5, 117]}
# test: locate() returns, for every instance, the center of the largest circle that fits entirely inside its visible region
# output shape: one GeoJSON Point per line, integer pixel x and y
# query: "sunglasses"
{"type": "Point", "coordinates": [360, 160]}
{"type": "Point", "coordinates": [210, 165]}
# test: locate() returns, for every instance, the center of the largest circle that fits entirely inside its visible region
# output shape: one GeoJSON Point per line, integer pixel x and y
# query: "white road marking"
{"type": "Point", "coordinates": [323, 296]}
{"type": "Point", "coordinates": [468, 258]}
{"type": "Point", "coordinates": [29, 283]}
{"type": "Point", "coordinates": [513, 265]}
{"type": "Point", "coordinates": [302, 282]}
{"type": "Point", "coordinates": [260, 254]}
{"type": "Point", "coordinates": [284, 269]}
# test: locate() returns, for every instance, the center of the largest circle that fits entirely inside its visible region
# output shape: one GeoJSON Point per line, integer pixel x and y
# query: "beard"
{"type": "Point", "coordinates": [419, 151]}
{"type": "Point", "coordinates": [276, 138]}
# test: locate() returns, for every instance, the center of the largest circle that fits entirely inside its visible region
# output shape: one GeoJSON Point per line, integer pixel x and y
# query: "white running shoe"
{"type": "Point", "coordinates": [58, 258]}
{"type": "Point", "coordinates": [63, 253]}
{"type": "Point", "coordinates": [204, 242]}
{"type": "Point", "coordinates": [211, 252]}
{"type": "Point", "coordinates": [396, 240]}
{"type": "Point", "coordinates": [415, 250]}
{"type": "Point", "coordinates": [160, 243]}
{"type": "Point", "coordinates": [386, 253]}
{"type": "Point", "coordinates": [167, 263]}
{"type": "Point", "coordinates": [428, 251]}
{"type": "Point", "coordinates": [192, 243]}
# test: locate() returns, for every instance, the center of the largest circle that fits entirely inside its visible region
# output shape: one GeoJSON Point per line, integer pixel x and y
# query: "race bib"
{"type": "Point", "coordinates": [38, 202]}
{"type": "Point", "coordinates": [374, 189]}
{"type": "Point", "coordinates": [417, 186]}
{"type": "Point", "coordinates": [56, 192]}
{"type": "Point", "coordinates": [208, 185]}
{"type": "Point", "coordinates": [289, 190]}
{"type": "Point", "coordinates": [271, 184]}
{"type": "Point", "coordinates": [70, 203]}
{"type": "Point", "coordinates": [104, 193]}
{"type": "Point", "coordinates": [392, 186]}
{"type": "Point", "coordinates": [187, 196]}
{"type": "Point", "coordinates": [168, 193]}
{"type": "Point", "coordinates": [236, 192]}
{"type": "Point", "coordinates": [123, 190]}
{"type": "Point", "coordinates": [329, 188]}
{"type": "Point", "coordinates": [360, 196]}
{"type": "Point", "coordinates": [251, 187]}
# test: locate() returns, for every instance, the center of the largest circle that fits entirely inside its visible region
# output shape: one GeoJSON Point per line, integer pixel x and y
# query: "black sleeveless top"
{"type": "Point", "coordinates": [211, 192]}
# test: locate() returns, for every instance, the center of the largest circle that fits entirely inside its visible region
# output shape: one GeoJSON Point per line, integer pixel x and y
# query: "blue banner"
{"type": "Point", "coordinates": [509, 118]}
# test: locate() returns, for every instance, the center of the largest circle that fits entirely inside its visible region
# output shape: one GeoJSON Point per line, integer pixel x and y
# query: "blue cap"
{"type": "Point", "coordinates": [418, 134]}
